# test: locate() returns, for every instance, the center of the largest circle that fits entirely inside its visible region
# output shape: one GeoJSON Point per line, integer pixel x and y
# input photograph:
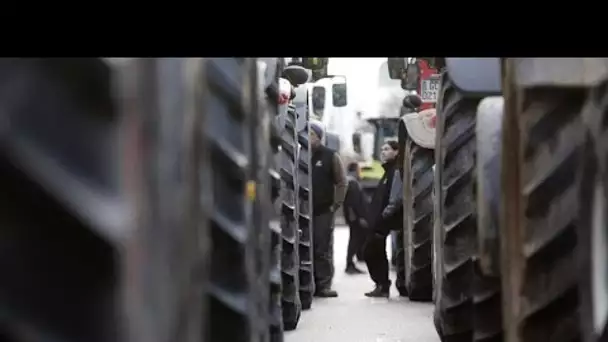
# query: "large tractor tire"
{"type": "Point", "coordinates": [593, 237]}
{"type": "Point", "coordinates": [539, 232]}
{"type": "Point", "coordinates": [307, 284]}
{"type": "Point", "coordinates": [290, 263]}
{"type": "Point", "coordinates": [272, 137]}
{"type": "Point", "coordinates": [101, 178]}
{"type": "Point", "coordinates": [418, 217]}
{"type": "Point", "coordinates": [233, 107]}
{"type": "Point", "coordinates": [456, 236]}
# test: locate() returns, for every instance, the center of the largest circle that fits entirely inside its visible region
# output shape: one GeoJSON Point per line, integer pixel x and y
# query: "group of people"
{"type": "Point", "coordinates": [370, 222]}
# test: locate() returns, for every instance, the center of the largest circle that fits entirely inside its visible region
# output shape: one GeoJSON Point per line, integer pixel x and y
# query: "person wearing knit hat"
{"type": "Point", "coordinates": [328, 192]}
{"type": "Point", "coordinates": [317, 129]}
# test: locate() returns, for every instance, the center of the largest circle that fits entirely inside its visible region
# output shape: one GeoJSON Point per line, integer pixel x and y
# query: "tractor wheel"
{"type": "Point", "coordinates": [274, 139]}
{"type": "Point", "coordinates": [539, 232]}
{"type": "Point", "coordinates": [290, 263]}
{"type": "Point", "coordinates": [235, 240]}
{"type": "Point", "coordinates": [418, 228]}
{"type": "Point", "coordinates": [593, 237]}
{"type": "Point", "coordinates": [307, 284]}
{"type": "Point", "coordinates": [455, 237]}
{"type": "Point", "coordinates": [400, 283]}
{"type": "Point", "coordinates": [86, 199]}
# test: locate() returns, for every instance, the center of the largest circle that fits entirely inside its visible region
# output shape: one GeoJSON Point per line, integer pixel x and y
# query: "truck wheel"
{"type": "Point", "coordinates": [418, 214]}
{"type": "Point", "coordinates": [456, 236]}
{"type": "Point", "coordinates": [539, 234]}
{"type": "Point", "coordinates": [290, 263]}
{"type": "Point", "coordinates": [307, 284]}
{"type": "Point", "coordinates": [276, 318]}
{"type": "Point", "coordinates": [593, 237]}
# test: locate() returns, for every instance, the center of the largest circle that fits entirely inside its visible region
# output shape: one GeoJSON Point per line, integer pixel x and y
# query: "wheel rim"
{"type": "Point", "coordinates": [599, 255]}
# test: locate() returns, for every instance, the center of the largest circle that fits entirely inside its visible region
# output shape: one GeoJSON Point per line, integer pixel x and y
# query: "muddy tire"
{"type": "Point", "coordinates": [290, 262]}
{"type": "Point", "coordinates": [456, 236]}
{"type": "Point", "coordinates": [307, 284]}
{"type": "Point", "coordinates": [68, 199]}
{"type": "Point", "coordinates": [593, 178]}
{"type": "Point", "coordinates": [539, 237]}
{"type": "Point", "coordinates": [418, 219]}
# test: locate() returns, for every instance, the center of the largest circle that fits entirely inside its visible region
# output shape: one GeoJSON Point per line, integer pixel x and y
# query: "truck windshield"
{"type": "Point", "coordinates": [339, 94]}
{"type": "Point", "coordinates": [318, 101]}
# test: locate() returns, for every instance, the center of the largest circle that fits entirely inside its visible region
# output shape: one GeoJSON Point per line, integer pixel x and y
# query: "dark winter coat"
{"type": "Point", "coordinates": [386, 209]}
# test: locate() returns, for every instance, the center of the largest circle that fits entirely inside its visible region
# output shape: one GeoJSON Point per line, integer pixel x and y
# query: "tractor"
{"type": "Point", "coordinates": [520, 185]}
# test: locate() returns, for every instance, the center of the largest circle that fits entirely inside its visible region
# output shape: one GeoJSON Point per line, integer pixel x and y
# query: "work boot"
{"type": "Point", "coordinates": [402, 291]}
{"type": "Point", "coordinates": [352, 269]}
{"type": "Point", "coordinates": [379, 291]}
{"type": "Point", "coordinates": [326, 293]}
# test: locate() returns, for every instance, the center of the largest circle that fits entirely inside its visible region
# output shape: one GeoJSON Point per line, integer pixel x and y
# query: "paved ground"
{"type": "Point", "coordinates": [355, 318]}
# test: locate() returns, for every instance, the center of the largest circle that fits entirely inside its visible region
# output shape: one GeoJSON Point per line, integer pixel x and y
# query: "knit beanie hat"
{"type": "Point", "coordinates": [317, 128]}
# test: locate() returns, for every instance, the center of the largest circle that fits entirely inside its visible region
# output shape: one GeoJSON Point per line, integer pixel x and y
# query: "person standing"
{"type": "Point", "coordinates": [328, 191]}
{"type": "Point", "coordinates": [385, 215]}
{"type": "Point", "coordinates": [355, 215]}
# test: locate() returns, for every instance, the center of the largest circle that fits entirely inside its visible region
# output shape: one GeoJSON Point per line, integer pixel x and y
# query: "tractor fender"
{"type": "Point", "coordinates": [560, 72]}
{"type": "Point", "coordinates": [477, 77]}
{"type": "Point", "coordinates": [489, 148]}
{"type": "Point", "coordinates": [421, 127]}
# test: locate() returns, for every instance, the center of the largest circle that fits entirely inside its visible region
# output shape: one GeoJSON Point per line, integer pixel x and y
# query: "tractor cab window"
{"type": "Point", "coordinates": [385, 130]}
{"type": "Point", "coordinates": [339, 95]}
{"type": "Point", "coordinates": [318, 101]}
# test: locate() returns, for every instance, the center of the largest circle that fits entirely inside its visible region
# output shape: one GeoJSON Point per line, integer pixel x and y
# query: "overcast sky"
{"type": "Point", "coordinates": [362, 75]}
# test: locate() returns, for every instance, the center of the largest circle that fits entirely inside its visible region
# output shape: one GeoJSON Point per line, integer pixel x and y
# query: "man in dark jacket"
{"type": "Point", "coordinates": [385, 215]}
{"type": "Point", "coordinates": [355, 215]}
{"type": "Point", "coordinates": [328, 190]}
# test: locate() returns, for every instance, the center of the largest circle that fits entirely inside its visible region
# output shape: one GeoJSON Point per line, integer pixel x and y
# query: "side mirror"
{"type": "Point", "coordinates": [314, 63]}
{"type": "Point", "coordinates": [476, 76]}
{"type": "Point", "coordinates": [412, 76]}
{"type": "Point", "coordinates": [396, 66]}
{"type": "Point", "coordinates": [295, 74]}
{"type": "Point", "coordinates": [357, 142]}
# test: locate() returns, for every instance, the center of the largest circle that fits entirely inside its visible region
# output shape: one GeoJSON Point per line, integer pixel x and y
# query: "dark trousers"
{"type": "Point", "coordinates": [323, 250]}
{"type": "Point", "coordinates": [356, 240]}
{"type": "Point", "coordinates": [376, 259]}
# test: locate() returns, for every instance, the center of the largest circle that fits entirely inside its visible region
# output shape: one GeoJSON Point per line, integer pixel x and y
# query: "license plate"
{"type": "Point", "coordinates": [429, 89]}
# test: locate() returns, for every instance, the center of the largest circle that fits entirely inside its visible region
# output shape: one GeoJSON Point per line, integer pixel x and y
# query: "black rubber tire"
{"type": "Point", "coordinates": [63, 268]}
{"type": "Point", "coordinates": [593, 178]}
{"type": "Point", "coordinates": [418, 227]}
{"type": "Point", "coordinates": [235, 241]}
{"type": "Point", "coordinates": [542, 267]}
{"type": "Point", "coordinates": [457, 226]}
{"type": "Point", "coordinates": [290, 263]}
{"type": "Point", "coordinates": [274, 141]}
{"type": "Point", "coordinates": [400, 265]}
{"type": "Point", "coordinates": [307, 284]}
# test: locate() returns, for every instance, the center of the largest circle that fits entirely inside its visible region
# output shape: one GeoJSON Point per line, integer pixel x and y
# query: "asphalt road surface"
{"type": "Point", "coordinates": [353, 317]}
